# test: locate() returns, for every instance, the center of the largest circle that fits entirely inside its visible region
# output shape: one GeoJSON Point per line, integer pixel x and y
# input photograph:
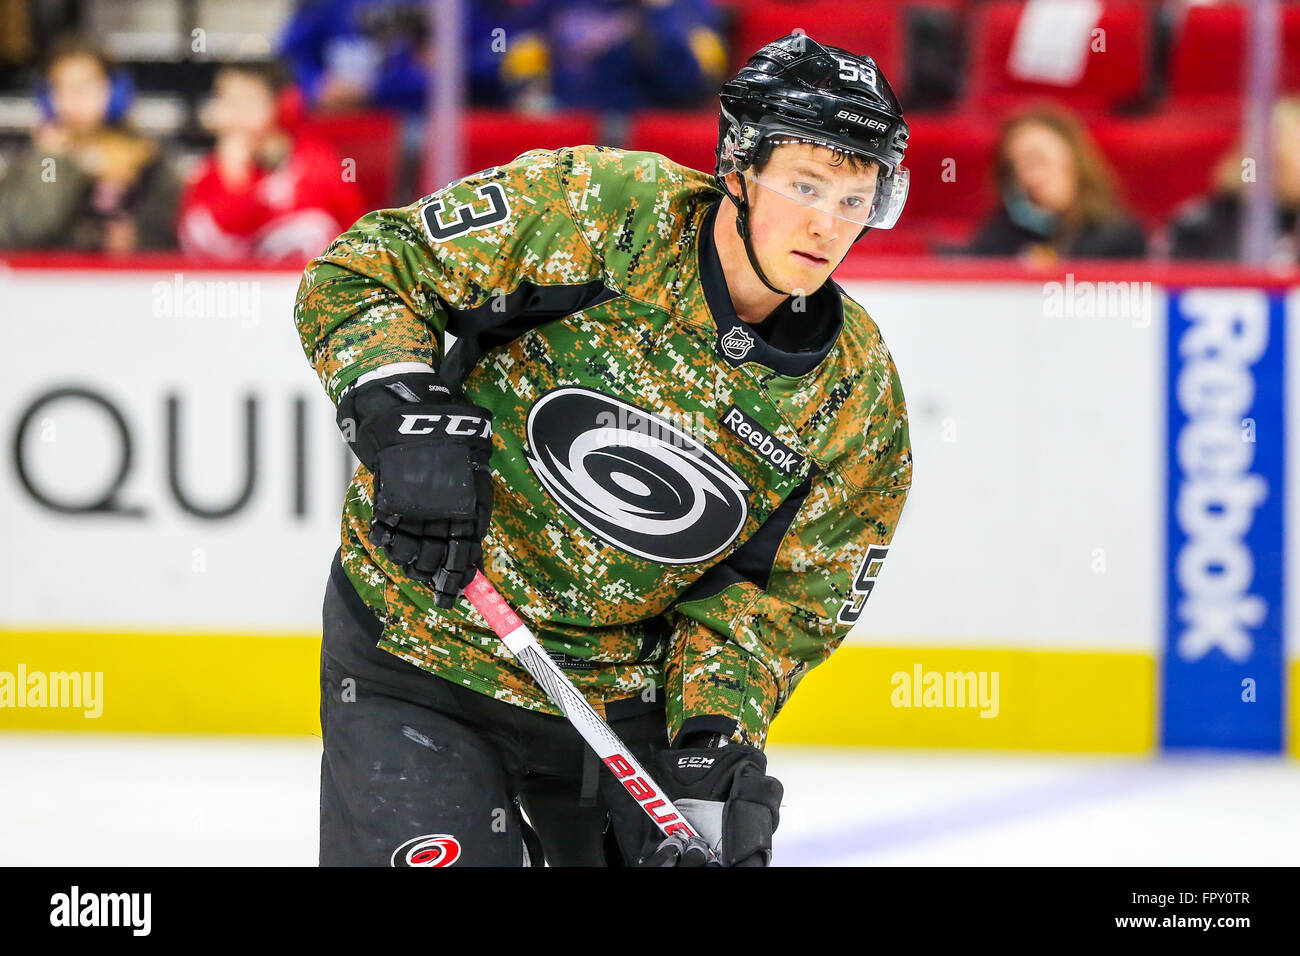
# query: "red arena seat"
{"type": "Point", "coordinates": [370, 139]}
{"type": "Point", "coordinates": [1112, 77]}
{"type": "Point", "coordinates": [686, 138]}
{"type": "Point", "coordinates": [951, 163]}
{"type": "Point", "coordinates": [1163, 160]}
{"type": "Point", "coordinates": [1208, 60]}
{"type": "Point", "coordinates": [870, 29]}
{"type": "Point", "coordinates": [494, 137]}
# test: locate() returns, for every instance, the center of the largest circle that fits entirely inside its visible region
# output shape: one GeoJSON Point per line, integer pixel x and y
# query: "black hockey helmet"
{"type": "Point", "coordinates": [796, 89]}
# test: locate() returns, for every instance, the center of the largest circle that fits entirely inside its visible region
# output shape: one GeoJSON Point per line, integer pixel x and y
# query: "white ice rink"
{"type": "Point", "coordinates": [106, 799]}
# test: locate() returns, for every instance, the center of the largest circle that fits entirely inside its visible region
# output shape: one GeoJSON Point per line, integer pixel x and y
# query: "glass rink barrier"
{"type": "Point", "coordinates": [1081, 648]}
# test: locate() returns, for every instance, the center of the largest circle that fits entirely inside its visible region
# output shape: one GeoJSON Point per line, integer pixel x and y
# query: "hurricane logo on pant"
{"type": "Point", "coordinates": [635, 479]}
{"type": "Point", "coordinates": [432, 849]}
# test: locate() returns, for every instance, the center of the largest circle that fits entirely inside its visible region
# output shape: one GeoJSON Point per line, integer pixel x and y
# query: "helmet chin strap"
{"type": "Point", "coordinates": [742, 227]}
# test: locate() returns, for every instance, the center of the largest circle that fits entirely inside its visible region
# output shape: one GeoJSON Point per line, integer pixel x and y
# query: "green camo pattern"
{"type": "Point", "coordinates": [629, 219]}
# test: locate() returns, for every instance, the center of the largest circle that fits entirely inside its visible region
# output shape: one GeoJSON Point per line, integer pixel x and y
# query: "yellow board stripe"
{"type": "Point", "coordinates": [1046, 700]}
{"type": "Point", "coordinates": [174, 683]}
{"type": "Point", "coordinates": [258, 683]}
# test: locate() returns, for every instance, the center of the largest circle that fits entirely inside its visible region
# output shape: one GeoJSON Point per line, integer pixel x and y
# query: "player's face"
{"type": "Point", "coordinates": [802, 210]}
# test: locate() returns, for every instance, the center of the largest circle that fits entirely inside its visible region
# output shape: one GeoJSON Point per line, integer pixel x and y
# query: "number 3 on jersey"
{"type": "Point", "coordinates": [444, 222]}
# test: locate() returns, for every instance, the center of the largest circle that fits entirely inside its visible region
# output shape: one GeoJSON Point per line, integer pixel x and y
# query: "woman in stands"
{"type": "Point", "coordinates": [1209, 228]}
{"type": "Point", "coordinates": [1058, 195]}
{"type": "Point", "coordinates": [263, 192]}
{"type": "Point", "coordinates": [88, 181]}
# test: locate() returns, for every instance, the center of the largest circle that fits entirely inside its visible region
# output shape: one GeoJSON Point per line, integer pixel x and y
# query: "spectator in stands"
{"type": "Point", "coordinates": [88, 181]}
{"type": "Point", "coordinates": [378, 54]}
{"type": "Point", "coordinates": [612, 55]}
{"type": "Point", "coordinates": [1058, 195]}
{"type": "Point", "coordinates": [615, 55]}
{"type": "Point", "coordinates": [349, 54]}
{"type": "Point", "coordinates": [1210, 228]}
{"type": "Point", "coordinates": [262, 192]}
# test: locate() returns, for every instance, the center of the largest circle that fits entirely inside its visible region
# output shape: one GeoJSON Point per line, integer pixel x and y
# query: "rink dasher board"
{"type": "Point", "coordinates": [1039, 522]}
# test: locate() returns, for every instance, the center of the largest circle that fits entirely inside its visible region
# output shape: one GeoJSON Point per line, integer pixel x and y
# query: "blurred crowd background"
{"type": "Point", "coordinates": [256, 130]}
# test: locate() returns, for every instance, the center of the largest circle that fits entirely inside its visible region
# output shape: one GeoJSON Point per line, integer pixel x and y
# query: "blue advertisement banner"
{"type": "Point", "coordinates": [1223, 669]}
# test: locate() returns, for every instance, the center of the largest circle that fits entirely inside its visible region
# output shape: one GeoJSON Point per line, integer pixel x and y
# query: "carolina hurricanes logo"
{"type": "Point", "coordinates": [737, 343]}
{"type": "Point", "coordinates": [433, 849]}
{"type": "Point", "coordinates": [635, 479]}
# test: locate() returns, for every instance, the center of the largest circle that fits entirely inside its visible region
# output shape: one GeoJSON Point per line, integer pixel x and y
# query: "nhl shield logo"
{"type": "Point", "coordinates": [737, 343]}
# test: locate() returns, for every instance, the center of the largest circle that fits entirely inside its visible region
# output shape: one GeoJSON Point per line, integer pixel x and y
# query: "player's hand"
{"type": "Point", "coordinates": [433, 483]}
{"type": "Point", "coordinates": [678, 850]}
{"type": "Point", "coordinates": [727, 797]}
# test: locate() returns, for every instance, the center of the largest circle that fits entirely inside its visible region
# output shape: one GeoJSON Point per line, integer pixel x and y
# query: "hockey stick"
{"type": "Point", "coordinates": [521, 642]}
{"type": "Point", "coordinates": [525, 647]}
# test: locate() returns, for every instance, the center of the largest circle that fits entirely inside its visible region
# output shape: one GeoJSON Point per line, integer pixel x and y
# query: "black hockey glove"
{"type": "Point", "coordinates": [433, 485]}
{"type": "Point", "coordinates": [730, 801]}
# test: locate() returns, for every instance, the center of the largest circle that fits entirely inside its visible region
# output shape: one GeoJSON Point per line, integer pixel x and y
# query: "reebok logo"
{"type": "Point", "coordinates": [760, 439]}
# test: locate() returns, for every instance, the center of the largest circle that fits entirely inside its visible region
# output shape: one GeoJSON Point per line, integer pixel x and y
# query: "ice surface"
{"type": "Point", "coordinates": [104, 799]}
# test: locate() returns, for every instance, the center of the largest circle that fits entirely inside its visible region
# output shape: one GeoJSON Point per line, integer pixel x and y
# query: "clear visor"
{"type": "Point", "coordinates": [879, 207]}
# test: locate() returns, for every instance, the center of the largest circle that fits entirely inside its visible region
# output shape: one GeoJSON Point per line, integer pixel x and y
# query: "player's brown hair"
{"type": "Point", "coordinates": [856, 163]}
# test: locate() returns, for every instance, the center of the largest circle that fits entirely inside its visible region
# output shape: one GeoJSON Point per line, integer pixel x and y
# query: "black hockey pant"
{"type": "Point", "coordinates": [420, 771]}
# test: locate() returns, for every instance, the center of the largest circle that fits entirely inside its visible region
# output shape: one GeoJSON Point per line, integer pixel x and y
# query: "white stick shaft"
{"type": "Point", "coordinates": [521, 642]}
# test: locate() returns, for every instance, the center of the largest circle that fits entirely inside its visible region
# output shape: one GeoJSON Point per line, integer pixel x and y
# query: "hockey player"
{"type": "Point", "coordinates": [674, 445]}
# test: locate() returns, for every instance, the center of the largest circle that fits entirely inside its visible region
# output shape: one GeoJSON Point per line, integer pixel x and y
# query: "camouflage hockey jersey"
{"type": "Point", "coordinates": [688, 509]}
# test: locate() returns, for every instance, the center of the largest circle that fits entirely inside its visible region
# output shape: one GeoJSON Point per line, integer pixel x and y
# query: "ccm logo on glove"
{"type": "Point", "coordinates": [430, 458]}
{"type": "Point", "coordinates": [468, 426]}
{"type": "Point", "coordinates": [704, 763]}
